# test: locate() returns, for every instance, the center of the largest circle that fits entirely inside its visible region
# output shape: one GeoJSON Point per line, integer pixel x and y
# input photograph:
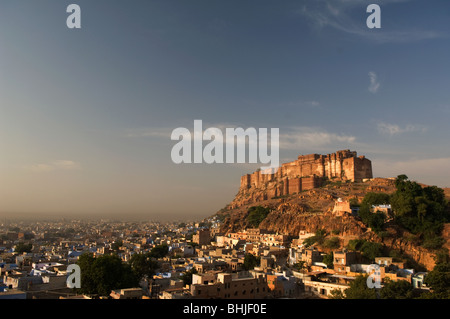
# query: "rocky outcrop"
{"type": "Point", "coordinates": [314, 209]}
{"type": "Point", "coordinates": [400, 243]}
{"type": "Point", "coordinates": [302, 196]}
{"type": "Point", "coordinates": [305, 173]}
{"type": "Point", "coordinates": [291, 223]}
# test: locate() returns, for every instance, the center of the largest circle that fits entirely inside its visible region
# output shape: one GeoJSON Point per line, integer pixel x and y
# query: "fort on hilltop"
{"type": "Point", "coordinates": [309, 171]}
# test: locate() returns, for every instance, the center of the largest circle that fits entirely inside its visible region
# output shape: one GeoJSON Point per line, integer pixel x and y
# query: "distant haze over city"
{"type": "Point", "coordinates": [86, 114]}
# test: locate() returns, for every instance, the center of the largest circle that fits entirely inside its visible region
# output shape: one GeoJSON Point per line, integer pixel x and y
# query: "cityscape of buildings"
{"type": "Point", "coordinates": [216, 264]}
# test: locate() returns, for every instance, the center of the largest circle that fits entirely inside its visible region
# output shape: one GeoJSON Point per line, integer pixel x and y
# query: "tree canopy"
{"type": "Point", "coordinates": [256, 214]}
{"type": "Point", "coordinates": [374, 220]}
{"type": "Point", "coordinates": [420, 210]}
{"type": "Point", "coordinates": [100, 275]}
{"type": "Point", "coordinates": [318, 238]}
{"type": "Point", "coordinates": [115, 246]}
{"type": "Point", "coordinates": [187, 276]}
{"type": "Point", "coordinates": [368, 249]}
{"type": "Point", "coordinates": [328, 260]}
{"type": "Point", "coordinates": [251, 261]}
{"type": "Point", "coordinates": [439, 281]}
{"type": "Point", "coordinates": [332, 243]}
{"type": "Point", "coordinates": [159, 251]}
{"type": "Point", "coordinates": [23, 248]}
{"type": "Point", "coordinates": [359, 290]}
{"type": "Point", "coordinates": [400, 289]}
{"type": "Point", "coordinates": [143, 265]}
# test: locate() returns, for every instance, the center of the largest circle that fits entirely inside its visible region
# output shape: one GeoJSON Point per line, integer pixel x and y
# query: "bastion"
{"type": "Point", "coordinates": [309, 171]}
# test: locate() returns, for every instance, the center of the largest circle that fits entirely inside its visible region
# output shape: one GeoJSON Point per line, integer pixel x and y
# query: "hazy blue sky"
{"type": "Point", "coordinates": [86, 115]}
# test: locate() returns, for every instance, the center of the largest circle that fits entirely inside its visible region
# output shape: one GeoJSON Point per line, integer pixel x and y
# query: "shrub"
{"type": "Point", "coordinates": [332, 243]}
{"type": "Point", "coordinates": [256, 215]}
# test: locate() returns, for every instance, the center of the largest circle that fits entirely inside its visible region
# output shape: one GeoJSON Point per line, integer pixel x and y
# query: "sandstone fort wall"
{"type": "Point", "coordinates": [309, 171]}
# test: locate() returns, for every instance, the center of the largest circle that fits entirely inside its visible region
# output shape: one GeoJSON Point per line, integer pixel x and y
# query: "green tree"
{"type": "Point", "coordinates": [400, 289]}
{"type": "Point", "coordinates": [372, 250]}
{"type": "Point", "coordinates": [328, 260]}
{"type": "Point", "coordinates": [373, 220]}
{"type": "Point", "coordinates": [318, 238]}
{"type": "Point", "coordinates": [187, 276]}
{"type": "Point", "coordinates": [159, 251]}
{"type": "Point", "coordinates": [439, 281]}
{"type": "Point", "coordinates": [359, 290]}
{"type": "Point", "coordinates": [100, 275]}
{"type": "Point", "coordinates": [355, 244]}
{"type": "Point", "coordinates": [420, 210]}
{"type": "Point", "coordinates": [368, 249]}
{"type": "Point", "coordinates": [250, 261]}
{"type": "Point", "coordinates": [300, 265]}
{"type": "Point", "coordinates": [256, 214]}
{"type": "Point", "coordinates": [337, 294]}
{"type": "Point", "coordinates": [115, 246]}
{"type": "Point", "coordinates": [28, 236]}
{"type": "Point", "coordinates": [143, 265]}
{"type": "Point", "coordinates": [309, 241]}
{"type": "Point", "coordinates": [373, 198]}
{"type": "Point", "coordinates": [433, 242]}
{"type": "Point", "coordinates": [376, 222]}
{"type": "Point", "coordinates": [332, 243]}
{"type": "Point", "coordinates": [23, 248]}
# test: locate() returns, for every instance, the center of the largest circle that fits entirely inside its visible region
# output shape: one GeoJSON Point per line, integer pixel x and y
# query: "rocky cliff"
{"type": "Point", "coordinates": [314, 208]}
{"type": "Point", "coordinates": [306, 210]}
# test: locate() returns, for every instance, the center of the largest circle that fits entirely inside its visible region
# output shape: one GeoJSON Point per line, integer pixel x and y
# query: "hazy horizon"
{"type": "Point", "coordinates": [86, 114]}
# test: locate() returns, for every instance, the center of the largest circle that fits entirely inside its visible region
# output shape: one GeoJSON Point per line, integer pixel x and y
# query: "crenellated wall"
{"type": "Point", "coordinates": [308, 171]}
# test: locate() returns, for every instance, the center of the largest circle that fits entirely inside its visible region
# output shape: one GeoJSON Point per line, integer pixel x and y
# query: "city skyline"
{"type": "Point", "coordinates": [86, 115]}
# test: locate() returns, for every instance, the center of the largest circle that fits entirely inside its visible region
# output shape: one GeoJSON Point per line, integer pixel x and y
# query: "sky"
{"type": "Point", "coordinates": [86, 114]}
